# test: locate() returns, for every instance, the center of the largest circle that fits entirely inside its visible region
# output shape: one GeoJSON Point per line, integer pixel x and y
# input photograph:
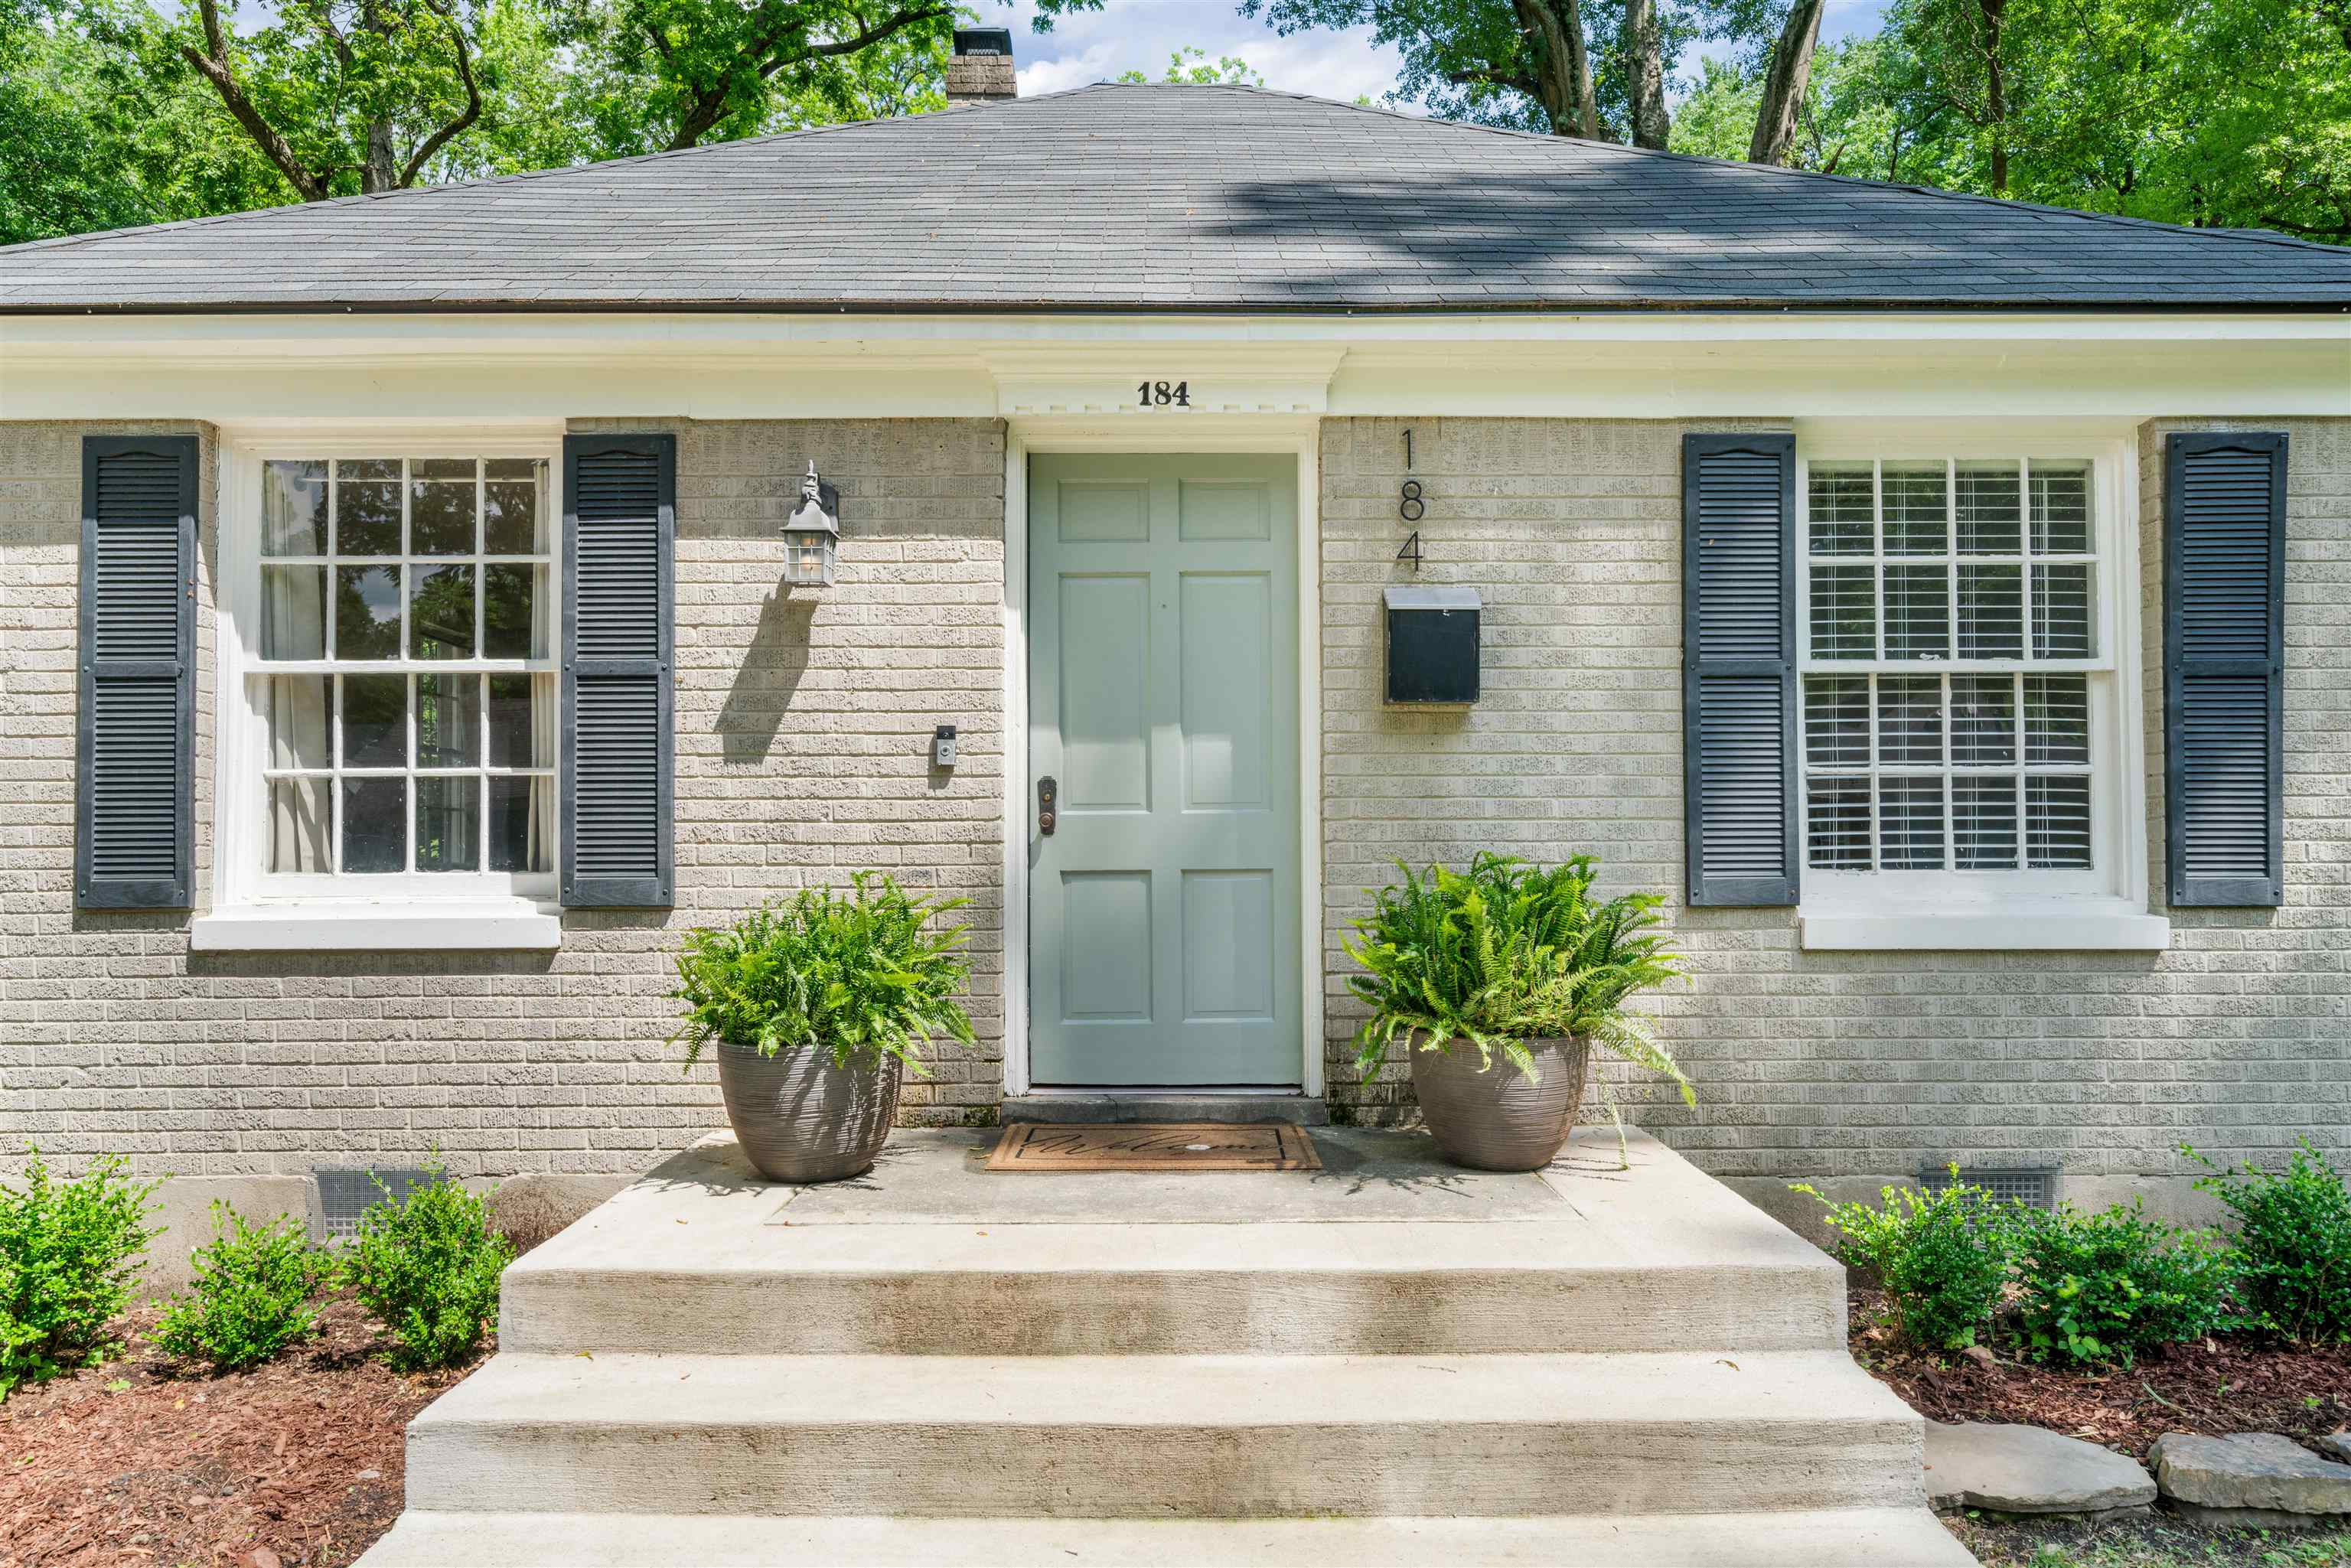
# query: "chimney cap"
{"type": "Point", "coordinates": [983, 41]}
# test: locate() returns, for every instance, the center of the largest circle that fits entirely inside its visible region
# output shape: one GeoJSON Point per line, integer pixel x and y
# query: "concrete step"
{"type": "Point", "coordinates": [1153, 1436]}
{"type": "Point", "coordinates": [1842, 1538]}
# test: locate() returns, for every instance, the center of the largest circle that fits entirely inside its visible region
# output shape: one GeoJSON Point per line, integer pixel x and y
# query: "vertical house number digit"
{"type": "Point", "coordinates": [1163, 394]}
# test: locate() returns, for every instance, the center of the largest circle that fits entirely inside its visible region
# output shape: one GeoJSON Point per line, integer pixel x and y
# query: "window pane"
{"type": "Point", "coordinates": [1992, 507]}
{"type": "Point", "coordinates": [522, 823]}
{"type": "Point", "coordinates": [1917, 509]}
{"type": "Point", "coordinates": [1983, 720]}
{"type": "Point", "coordinates": [441, 613]}
{"type": "Point", "coordinates": [1836, 721]}
{"type": "Point", "coordinates": [513, 519]}
{"type": "Point", "coordinates": [522, 721]}
{"type": "Point", "coordinates": [300, 832]}
{"type": "Point", "coordinates": [1991, 612]}
{"type": "Point", "coordinates": [1918, 612]}
{"type": "Point", "coordinates": [2061, 508]}
{"type": "Point", "coordinates": [294, 509]}
{"type": "Point", "coordinates": [375, 721]}
{"type": "Point", "coordinates": [448, 725]}
{"type": "Point", "coordinates": [440, 512]}
{"type": "Point", "coordinates": [2060, 611]}
{"type": "Point", "coordinates": [293, 611]}
{"type": "Point", "coordinates": [1837, 823]}
{"type": "Point", "coordinates": [1984, 822]}
{"type": "Point", "coordinates": [449, 823]}
{"type": "Point", "coordinates": [366, 507]}
{"type": "Point", "coordinates": [1845, 612]}
{"type": "Point", "coordinates": [509, 612]}
{"type": "Point", "coordinates": [1910, 720]}
{"type": "Point", "coordinates": [298, 721]}
{"type": "Point", "coordinates": [2057, 718]}
{"type": "Point", "coordinates": [375, 824]}
{"type": "Point", "coordinates": [2057, 822]}
{"type": "Point", "coordinates": [367, 613]}
{"type": "Point", "coordinates": [1910, 824]}
{"type": "Point", "coordinates": [1841, 506]}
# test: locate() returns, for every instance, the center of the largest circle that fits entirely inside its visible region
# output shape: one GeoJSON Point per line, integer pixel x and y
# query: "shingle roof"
{"type": "Point", "coordinates": [1161, 197]}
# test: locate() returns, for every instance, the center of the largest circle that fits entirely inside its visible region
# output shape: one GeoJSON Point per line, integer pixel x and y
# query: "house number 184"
{"type": "Point", "coordinates": [1162, 394]}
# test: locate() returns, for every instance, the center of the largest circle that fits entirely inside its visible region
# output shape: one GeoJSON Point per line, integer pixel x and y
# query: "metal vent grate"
{"type": "Point", "coordinates": [342, 1193]}
{"type": "Point", "coordinates": [2033, 1188]}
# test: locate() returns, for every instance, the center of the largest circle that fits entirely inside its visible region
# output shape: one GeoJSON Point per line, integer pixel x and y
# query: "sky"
{"type": "Point", "coordinates": [1139, 35]}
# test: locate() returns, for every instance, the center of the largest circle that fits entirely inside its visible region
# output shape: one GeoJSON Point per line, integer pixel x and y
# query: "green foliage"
{"type": "Point", "coordinates": [845, 974]}
{"type": "Point", "coordinates": [251, 1295]}
{"type": "Point", "coordinates": [66, 1255]}
{"type": "Point", "coordinates": [1942, 1258]}
{"type": "Point", "coordinates": [2101, 1288]}
{"type": "Point", "coordinates": [2292, 1243]}
{"type": "Point", "coordinates": [1191, 67]}
{"type": "Point", "coordinates": [427, 1266]}
{"type": "Point", "coordinates": [1508, 953]}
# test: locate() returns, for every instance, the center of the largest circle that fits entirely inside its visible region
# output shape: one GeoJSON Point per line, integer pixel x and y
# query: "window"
{"type": "Point", "coordinates": [1961, 723]}
{"type": "Point", "coordinates": [401, 675]}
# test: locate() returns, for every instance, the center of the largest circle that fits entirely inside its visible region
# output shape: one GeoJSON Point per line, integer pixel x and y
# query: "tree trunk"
{"type": "Point", "coordinates": [1784, 83]}
{"type": "Point", "coordinates": [1564, 66]}
{"type": "Point", "coordinates": [381, 170]}
{"type": "Point", "coordinates": [1645, 66]}
{"type": "Point", "coordinates": [1995, 17]}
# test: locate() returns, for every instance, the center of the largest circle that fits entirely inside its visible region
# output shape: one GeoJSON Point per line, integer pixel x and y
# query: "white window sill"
{"type": "Point", "coordinates": [2082, 925]}
{"type": "Point", "coordinates": [321, 927]}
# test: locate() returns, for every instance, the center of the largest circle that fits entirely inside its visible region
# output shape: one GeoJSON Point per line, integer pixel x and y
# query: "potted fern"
{"type": "Point", "coordinates": [817, 1008]}
{"type": "Point", "coordinates": [1501, 981]}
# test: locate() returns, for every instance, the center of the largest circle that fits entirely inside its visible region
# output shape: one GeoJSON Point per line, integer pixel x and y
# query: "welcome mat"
{"type": "Point", "coordinates": [1153, 1147]}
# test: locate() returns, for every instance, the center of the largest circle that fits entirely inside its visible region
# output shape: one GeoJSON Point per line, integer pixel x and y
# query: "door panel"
{"type": "Point", "coordinates": [1163, 911]}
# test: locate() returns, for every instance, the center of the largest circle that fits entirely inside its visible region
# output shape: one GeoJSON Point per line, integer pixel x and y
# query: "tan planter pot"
{"type": "Point", "coordinates": [800, 1117]}
{"type": "Point", "coordinates": [1501, 1119]}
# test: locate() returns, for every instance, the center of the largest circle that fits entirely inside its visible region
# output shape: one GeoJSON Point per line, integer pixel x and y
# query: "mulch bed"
{"type": "Point", "coordinates": [297, 1464]}
{"type": "Point", "coordinates": [2217, 1387]}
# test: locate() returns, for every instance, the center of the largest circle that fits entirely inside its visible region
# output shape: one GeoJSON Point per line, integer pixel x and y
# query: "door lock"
{"type": "Point", "coordinates": [1047, 793]}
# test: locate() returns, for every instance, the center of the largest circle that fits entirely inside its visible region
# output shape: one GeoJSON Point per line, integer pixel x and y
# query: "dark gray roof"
{"type": "Point", "coordinates": [1159, 197]}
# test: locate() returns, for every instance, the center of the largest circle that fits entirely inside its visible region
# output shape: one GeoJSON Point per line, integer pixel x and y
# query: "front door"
{"type": "Point", "coordinates": [1162, 703]}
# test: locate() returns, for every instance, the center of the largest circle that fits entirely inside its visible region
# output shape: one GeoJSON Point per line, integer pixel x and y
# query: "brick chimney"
{"type": "Point", "coordinates": [981, 69]}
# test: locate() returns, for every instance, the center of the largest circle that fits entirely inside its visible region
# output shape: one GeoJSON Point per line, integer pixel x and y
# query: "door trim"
{"type": "Point", "coordinates": [1297, 437]}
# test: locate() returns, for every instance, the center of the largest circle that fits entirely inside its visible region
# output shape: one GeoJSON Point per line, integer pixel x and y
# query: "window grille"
{"type": "Point", "coordinates": [341, 1194]}
{"type": "Point", "coordinates": [2035, 1189]}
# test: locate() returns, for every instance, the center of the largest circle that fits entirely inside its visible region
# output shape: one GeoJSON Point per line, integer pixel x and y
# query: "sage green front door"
{"type": "Point", "coordinates": [1162, 703]}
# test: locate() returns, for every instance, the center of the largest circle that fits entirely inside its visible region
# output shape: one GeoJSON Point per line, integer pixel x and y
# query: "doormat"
{"type": "Point", "coordinates": [1153, 1147]}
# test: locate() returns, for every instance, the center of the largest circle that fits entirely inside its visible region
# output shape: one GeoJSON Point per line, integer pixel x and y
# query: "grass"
{"type": "Point", "coordinates": [2149, 1541]}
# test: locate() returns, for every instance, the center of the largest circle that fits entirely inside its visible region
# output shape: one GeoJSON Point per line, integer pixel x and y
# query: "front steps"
{"type": "Point", "coordinates": [1591, 1367]}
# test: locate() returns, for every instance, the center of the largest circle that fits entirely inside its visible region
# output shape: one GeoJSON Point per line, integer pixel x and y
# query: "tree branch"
{"type": "Point", "coordinates": [472, 110]}
{"type": "Point", "coordinates": [1491, 77]}
{"type": "Point", "coordinates": [211, 64]}
{"type": "Point", "coordinates": [710, 103]}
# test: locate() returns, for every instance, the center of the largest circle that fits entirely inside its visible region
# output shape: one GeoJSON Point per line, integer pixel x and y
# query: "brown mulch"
{"type": "Point", "coordinates": [2216, 1386]}
{"type": "Point", "coordinates": [296, 1464]}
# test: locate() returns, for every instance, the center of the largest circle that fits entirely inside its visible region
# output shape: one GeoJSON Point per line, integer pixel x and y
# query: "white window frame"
{"type": "Point", "coordinates": [253, 908]}
{"type": "Point", "coordinates": [2102, 908]}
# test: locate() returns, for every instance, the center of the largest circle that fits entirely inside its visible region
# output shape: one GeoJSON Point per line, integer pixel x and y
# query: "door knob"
{"type": "Point", "coordinates": [1047, 793]}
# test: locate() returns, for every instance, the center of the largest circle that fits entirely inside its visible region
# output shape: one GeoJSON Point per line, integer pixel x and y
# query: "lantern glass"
{"type": "Point", "coordinates": [810, 559]}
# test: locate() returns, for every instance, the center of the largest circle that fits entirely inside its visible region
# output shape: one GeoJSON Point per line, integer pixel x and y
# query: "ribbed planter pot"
{"type": "Point", "coordinates": [802, 1118]}
{"type": "Point", "coordinates": [1501, 1119]}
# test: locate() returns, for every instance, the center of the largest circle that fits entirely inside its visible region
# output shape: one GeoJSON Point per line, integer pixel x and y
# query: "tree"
{"type": "Point", "coordinates": [1784, 81]}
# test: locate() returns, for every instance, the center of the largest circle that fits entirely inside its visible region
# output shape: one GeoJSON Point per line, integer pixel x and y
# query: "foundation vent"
{"type": "Point", "coordinates": [341, 1194]}
{"type": "Point", "coordinates": [2034, 1189]}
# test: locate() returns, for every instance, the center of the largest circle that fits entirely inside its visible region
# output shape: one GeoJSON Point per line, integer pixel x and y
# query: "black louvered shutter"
{"type": "Point", "coordinates": [2224, 661]}
{"type": "Point", "coordinates": [134, 837]}
{"type": "Point", "coordinates": [1739, 667]}
{"type": "Point", "coordinates": [619, 527]}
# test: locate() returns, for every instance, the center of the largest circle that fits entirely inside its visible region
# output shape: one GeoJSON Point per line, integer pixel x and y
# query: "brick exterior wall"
{"type": "Point", "coordinates": [1852, 1065]}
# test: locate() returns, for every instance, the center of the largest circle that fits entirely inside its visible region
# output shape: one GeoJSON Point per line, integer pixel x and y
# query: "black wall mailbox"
{"type": "Point", "coordinates": [1433, 644]}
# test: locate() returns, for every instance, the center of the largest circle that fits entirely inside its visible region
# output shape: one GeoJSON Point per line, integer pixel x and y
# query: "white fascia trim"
{"type": "Point", "coordinates": [335, 927]}
{"type": "Point", "coordinates": [2086, 925]}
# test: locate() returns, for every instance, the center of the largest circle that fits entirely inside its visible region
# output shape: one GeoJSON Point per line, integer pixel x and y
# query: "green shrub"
{"type": "Point", "coordinates": [251, 1295]}
{"type": "Point", "coordinates": [66, 1256]}
{"type": "Point", "coordinates": [2292, 1243]}
{"type": "Point", "coordinates": [1942, 1258]}
{"type": "Point", "coordinates": [1510, 953]}
{"type": "Point", "coordinates": [846, 974]}
{"type": "Point", "coordinates": [427, 1266]}
{"type": "Point", "coordinates": [2096, 1288]}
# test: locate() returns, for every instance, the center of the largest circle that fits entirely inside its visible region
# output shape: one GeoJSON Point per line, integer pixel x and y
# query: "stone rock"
{"type": "Point", "coordinates": [2336, 1445]}
{"type": "Point", "coordinates": [2255, 1478]}
{"type": "Point", "coordinates": [2027, 1469]}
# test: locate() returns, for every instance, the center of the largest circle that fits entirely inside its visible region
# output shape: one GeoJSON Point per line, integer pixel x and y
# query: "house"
{"type": "Point", "coordinates": [1942, 601]}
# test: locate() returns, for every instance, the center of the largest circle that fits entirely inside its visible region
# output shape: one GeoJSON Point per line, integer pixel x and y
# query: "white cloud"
{"type": "Point", "coordinates": [1139, 35]}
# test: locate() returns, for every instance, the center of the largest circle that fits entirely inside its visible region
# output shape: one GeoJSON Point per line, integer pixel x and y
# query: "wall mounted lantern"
{"type": "Point", "coordinates": [812, 537]}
